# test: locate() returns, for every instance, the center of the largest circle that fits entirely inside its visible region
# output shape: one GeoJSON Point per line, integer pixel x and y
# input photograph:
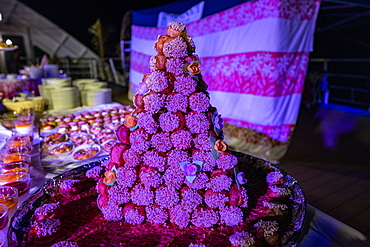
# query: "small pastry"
{"type": "Point", "coordinates": [104, 132]}
{"type": "Point", "coordinates": [65, 243]}
{"type": "Point", "coordinates": [86, 153]}
{"type": "Point", "coordinates": [116, 153]}
{"type": "Point", "coordinates": [44, 231]}
{"type": "Point", "coordinates": [107, 137]}
{"type": "Point", "coordinates": [176, 29]}
{"type": "Point", "coordinates": [275, 191]}
{"type": "Point", "coordinates": [70, 187]}
{"type": "Point", "coordinates": [47, 127]}
{"type": "Point", "coordinates": [268, 230]}
{"type": "Point", "coordinates": [48, 211]}
{"type": "Point", "coordinates": [60, 149]}
{"type": "Point", "coordinates": [275, 177]}
{"type": "Point", "coordinates": [55, 138]}
{"type": "Point", "coordinates": [242, 239]}
{"type": "Point", "coordinates": [271, 209]}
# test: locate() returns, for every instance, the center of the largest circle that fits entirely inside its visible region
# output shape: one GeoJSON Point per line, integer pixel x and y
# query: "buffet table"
{"type": "Point", "coordinates": [319, 229]}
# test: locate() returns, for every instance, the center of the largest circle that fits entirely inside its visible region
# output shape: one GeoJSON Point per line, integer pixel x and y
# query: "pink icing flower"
{"type": "Point", "coordinates": [110, 176]}
{"type": "Point", "coordinates": [176, 102]}
{"type": "Point", "coordinates": [226, 161]}
{"type": "Point", "coordinates": [218, 121]}
{"type": "Point", "coordinates": [220, 146]}
{"type": "Point", "coordinates": [146, 121]}
{"type": "Point", "coordinates": [154, 102]}
{"type": "Point", "coordinates": [174, 66]}
{"type": "Point", "coordinates": [241, 178]}
{"type": "Point", "coordinates": [194, 68]}
{"type": "Point", "coordinates": [185, 84]}
{"type": "Point", "coordinates": [174, 177]}
{"type": "Point", "coordinates": [190, 169]}
{"type": "Point", "coordinates": [166, 197]}
{"type": "Point", "coordinates": [231, 216]}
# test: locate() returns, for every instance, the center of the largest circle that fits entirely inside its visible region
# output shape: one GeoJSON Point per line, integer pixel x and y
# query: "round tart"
{"type": "Point", "coordinates": [85, 152]}
{"type": "Point", "coordinates": [63, 148]}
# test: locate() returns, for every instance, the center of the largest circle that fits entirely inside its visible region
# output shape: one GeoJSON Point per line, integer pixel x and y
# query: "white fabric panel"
{"type": "Point", "coordinates": [135, 77]}
{"type": "Point", "coordinates": [266, 111]}
{"type": "Point", "coordinates": [143, 46]}
{"type": "Point", "coordinates": [280, 35]}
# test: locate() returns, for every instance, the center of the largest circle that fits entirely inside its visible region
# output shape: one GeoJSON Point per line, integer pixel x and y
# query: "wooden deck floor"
{"type": "Point", "coordinates": [330, 157]}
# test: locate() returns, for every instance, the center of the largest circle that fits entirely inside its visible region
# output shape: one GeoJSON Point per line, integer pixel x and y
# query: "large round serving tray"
{"type": "Point", "coordinates": [21, 221]}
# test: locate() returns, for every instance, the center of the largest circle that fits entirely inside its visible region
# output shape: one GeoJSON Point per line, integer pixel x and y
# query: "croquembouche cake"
{"type": "Point", "coordinates": [171, 180]}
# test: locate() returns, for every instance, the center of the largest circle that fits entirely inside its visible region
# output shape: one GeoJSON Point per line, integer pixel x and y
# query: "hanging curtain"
{"type": "Point", "coordinates": [254, 57]}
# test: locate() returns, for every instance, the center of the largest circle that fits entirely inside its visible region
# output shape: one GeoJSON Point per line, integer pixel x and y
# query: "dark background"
{"type": "Point", "coordinates": [349, 39]}
{"type": "Point", "coordinates": [76, 16]}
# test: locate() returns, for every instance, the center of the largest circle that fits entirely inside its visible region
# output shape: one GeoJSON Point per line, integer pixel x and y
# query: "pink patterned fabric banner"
{"type": "Point", "coordinates": [254, 58]}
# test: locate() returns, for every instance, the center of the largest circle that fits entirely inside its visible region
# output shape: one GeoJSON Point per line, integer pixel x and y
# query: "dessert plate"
{"type": "Point", "coordinates": [9, 49]}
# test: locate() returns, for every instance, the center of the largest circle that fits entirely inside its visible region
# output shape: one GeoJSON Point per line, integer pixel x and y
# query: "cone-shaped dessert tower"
{"type": "Point", "coordinates": [172, 165]}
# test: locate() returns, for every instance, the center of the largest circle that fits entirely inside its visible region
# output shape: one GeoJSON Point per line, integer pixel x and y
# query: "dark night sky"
{"type": "Point", "coordinates": [76, 16]}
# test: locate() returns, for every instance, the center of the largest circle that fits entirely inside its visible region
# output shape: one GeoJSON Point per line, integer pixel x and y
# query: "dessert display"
{"type": "Point", "coordinates": [72, 198]}
{"type": "Point", "coordinates": [81, 136]}
{"type": "Point", "coordinates": [109, 119]}
{"type": "Point", "coordinates": [170, 179]}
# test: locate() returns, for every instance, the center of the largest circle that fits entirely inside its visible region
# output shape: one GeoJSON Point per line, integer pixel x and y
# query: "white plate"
{"type": "Point", "coordinates": [84, 151]}
{"type": "Point", "coordinates": [9, 49]}
{"type": "Point", "coordinates": [48, 151]}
